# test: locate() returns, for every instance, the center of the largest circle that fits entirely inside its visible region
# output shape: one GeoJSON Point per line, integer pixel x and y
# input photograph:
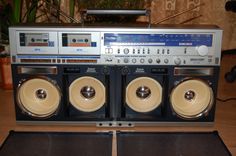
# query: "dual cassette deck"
{"type": "Point", "coordinates": [115, 76]}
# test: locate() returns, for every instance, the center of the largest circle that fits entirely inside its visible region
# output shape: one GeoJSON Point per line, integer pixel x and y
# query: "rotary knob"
{"type": "Point", "coordinates": [142, 60]}
{"type": "Point", "coordinates": [126, 51]}
{"type": "Point", "coordinates": [126, 60]}
{"type": "Point", "coordinates": [166, 61]}
{"type": "Point", "coordinates": [134, 60]}
{"type": "Point", "coordinates": [158, 60]}
{"type": "Point", "coordinates": [202, 50]}
{"type": "Point", "coordinates": [177, 61]}
{"type": "Point", "coordinates": [150, 60]}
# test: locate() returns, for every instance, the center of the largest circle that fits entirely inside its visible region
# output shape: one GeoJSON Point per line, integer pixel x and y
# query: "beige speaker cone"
{"type": "Point", "coordinates": [38, 97]}
{"type": "Point", "coordinates": [191, 98]}
{"type": "Point", "coordinates": [143, 94]}
{"type": "Point", "coordinates": [87, 94]}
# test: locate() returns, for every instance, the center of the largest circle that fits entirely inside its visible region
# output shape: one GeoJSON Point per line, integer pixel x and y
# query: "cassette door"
{"type": "Point", "coordinates": [143, 93]}
{"type": "Point", "coordinates": [37, 92]}
{"type": "Point", "coordinates": [87, 92]}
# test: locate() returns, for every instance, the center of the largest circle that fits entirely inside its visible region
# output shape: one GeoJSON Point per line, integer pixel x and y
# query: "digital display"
{"type": "Point", "coordinates": [112, 39]}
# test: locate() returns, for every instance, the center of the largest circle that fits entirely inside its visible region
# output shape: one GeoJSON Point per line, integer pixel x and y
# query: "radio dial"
{"type": "Point", "coordinates": [202, 50]}
{"type": "Point", "coordinates": [126, 51]}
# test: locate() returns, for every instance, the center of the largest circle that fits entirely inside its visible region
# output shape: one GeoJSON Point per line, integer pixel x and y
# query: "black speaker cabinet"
{"type": "Point", "coordinates": [87, 92]}
{"type": "Point", "coordinates": [38, 92]}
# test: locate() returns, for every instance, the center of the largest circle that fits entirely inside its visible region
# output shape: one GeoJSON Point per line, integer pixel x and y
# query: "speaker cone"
{"type": "Point", "coordinates": [191, 98]}
{"type": "Point", "coordinates": [143, 94]}
{"type": "Point", "coordinates": [38, 97]}
{"type": "Point", "coordinates": [87, 94]}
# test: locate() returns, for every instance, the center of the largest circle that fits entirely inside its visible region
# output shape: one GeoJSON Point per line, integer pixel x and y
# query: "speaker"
{"type": "Point", "coordinates": [192, 92]}
{"type": "Point", "coordinates": [143, 93]}
{"type": "Point", "coordinates": [38, 92]}
{"type": "Point", "coordinates": [88, 92]}
{"type": "Point", "coordinates": [191, 98]}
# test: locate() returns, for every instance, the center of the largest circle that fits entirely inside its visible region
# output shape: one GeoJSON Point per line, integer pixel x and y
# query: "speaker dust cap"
{"type": "Point", "coordinates": [191, 98]}
{"type": "Point", "coordinates": [38, 97]}
{"type": "Point", "coordinates": [87, 94]}
{"type": "Point", "coordinates": [143, 94]}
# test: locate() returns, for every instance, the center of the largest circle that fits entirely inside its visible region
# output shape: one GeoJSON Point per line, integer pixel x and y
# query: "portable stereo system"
{"type": "Point", "coordinates": [115, 76]}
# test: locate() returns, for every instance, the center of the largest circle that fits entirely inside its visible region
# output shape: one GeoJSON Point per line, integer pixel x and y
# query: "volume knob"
{"type": "Point", "coordinates": [202, 50]}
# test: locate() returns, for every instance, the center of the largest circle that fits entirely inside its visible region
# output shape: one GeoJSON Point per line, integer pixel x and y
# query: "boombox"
{"type": "Point", "coordinates": [115, 76]}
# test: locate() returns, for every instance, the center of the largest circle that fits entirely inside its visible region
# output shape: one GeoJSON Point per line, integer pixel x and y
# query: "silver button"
{"type": "Point", "coordinates": [149, 60]}
{"type": "Point", "coordinates": [142, 60]}
{"type": "Point", "coordinates": [166, 61]}
{"type": "Point", "coordinates": [134, 60]}
{"type": "Point", "coordinates": [126, 60]}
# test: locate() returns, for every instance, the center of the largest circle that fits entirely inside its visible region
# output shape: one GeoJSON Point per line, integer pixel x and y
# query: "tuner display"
{"type": "Point", "coordinates": [113, 39]}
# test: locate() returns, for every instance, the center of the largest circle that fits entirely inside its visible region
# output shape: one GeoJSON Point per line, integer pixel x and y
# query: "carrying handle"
{"type": "Point", "coordinates": [141, 12]}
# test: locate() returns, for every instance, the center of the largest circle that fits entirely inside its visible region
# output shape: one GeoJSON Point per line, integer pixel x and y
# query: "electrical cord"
{"type": "Point", "coordinates": [226, 100]}
{"type": "Point", "coordinates": [228, 52]}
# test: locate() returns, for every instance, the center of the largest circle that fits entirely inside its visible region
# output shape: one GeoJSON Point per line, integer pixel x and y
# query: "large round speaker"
{"type": "Point", "coordinates": [192, 98]}
{"type": "Point", "coordinates": [143, 94]}
{"type": "Point", "coordinates": [39, 97]}
{"type": "Point", "coordinates": [87, 94]}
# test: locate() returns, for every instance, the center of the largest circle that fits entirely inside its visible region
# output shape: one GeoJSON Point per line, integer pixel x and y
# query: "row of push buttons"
{"type": "Point", "coordinates": [163, 51]}
{"type": "Point", "coordinates": [134, 60]}
{"type": "Point", "coordinates": [137, 51]}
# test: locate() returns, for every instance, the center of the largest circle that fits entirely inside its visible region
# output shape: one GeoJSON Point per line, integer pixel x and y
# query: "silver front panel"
{"type": "Point", "coordinates": [162, 46]}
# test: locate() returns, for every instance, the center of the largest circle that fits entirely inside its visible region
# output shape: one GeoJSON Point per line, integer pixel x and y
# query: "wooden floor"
{"type": "Point", "coordinates": [225, 122]}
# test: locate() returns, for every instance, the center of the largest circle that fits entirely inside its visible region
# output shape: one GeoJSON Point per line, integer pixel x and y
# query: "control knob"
{"type": "Point", "coordinates": [142, 60]}
{"type": "Point", "coordinates": [166, 61]}
{"type": "Point", "coordinates": [177, 61]}
{"type": "Point", "coordinates": [158, 60]}
{"type": "Point", "coordinates": [126, 60]}
{"type": "Point", "coordinates": [202, 50]}
{"type": "Point", "coordinates": [134, 60]}
{"type": "Point", "coordinates": [150, 60]}
{"type": "Point", "coordinates": [126, 51]}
